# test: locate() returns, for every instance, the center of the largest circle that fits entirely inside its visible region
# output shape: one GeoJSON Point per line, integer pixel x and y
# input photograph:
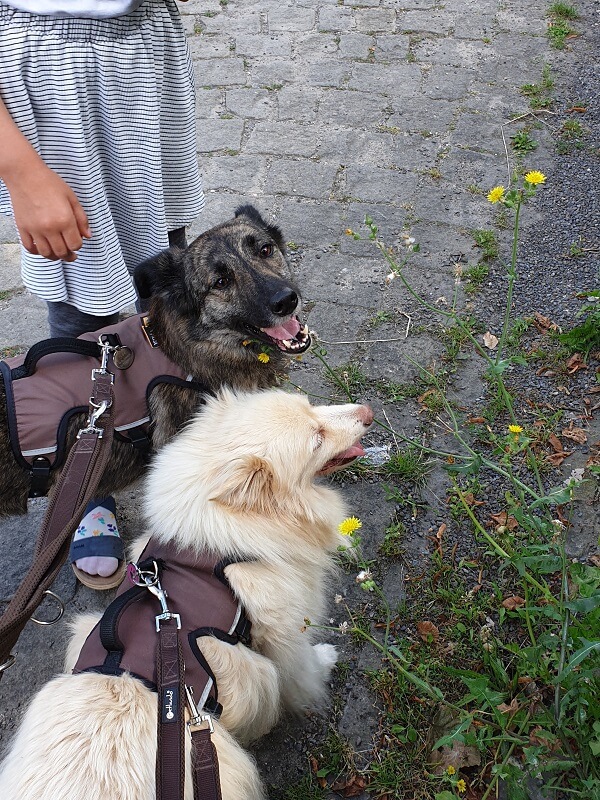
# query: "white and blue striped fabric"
{"type": "Point", "coordinates": [109, 105]}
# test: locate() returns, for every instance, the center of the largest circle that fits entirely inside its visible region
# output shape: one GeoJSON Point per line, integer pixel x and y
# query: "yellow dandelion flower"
{"type": "Point", "coordinates": [450, 770]}
{"type": "Point", "coordinates": [349, 232]}
{"type": "Point", "coordinates": [349, 525]}
{"type": "Point", "coordinates": [461, 786]}
{"type": "Point", "coordinates": [535, 177]}
{"type": "Point", "coordinates": [246, 342]}
{"type": "Point", "coordinates": [515, 429]}
{"type": "Point", "coordinates": [496, 194]}
{"type": "Point", "coordinates": [263, 358]}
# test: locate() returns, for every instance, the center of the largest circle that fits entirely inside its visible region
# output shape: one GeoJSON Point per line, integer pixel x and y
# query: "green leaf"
{"type": "Point", "coordinates": [445, 796]}
{"type": "Point", "coordinates": [576, 659]}
{"type": "Point", "coordinates": [455, 735]}
{"type": "Point", "coordinates": [556, 497]}
{"type": "Point", "coordinates": [584, 605]}
{"type": "Point", "coordinates": [468, 467]}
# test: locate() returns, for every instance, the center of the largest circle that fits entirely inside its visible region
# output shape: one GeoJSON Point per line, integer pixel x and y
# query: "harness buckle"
{"type": "Point", "coordinates": [196, 717]}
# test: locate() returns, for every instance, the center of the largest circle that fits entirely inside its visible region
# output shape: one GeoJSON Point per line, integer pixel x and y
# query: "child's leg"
{"type": "Point", "coordinates": [177, 238]}
{"type": "Point", "coordinates": [66, 320]}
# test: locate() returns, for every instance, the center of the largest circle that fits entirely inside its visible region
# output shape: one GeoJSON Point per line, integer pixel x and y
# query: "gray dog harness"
{"type": "Point", "coordinates": [124, 641]}
{"type": "Point", "coordinates": [48, 385]}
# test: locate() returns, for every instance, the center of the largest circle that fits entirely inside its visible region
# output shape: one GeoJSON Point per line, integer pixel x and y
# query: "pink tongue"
{"type": "Point", "coordinates": [355, 451]}
{"type": "Point", "coordinates": [288, 330]}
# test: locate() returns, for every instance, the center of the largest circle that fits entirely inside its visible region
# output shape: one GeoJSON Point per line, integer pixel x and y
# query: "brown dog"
{"type": "Point", "coordinates": [213, 308]}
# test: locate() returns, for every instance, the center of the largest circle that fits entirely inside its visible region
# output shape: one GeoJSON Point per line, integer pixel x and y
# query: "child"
{"type": "Point", "coordinates": [98, 163]}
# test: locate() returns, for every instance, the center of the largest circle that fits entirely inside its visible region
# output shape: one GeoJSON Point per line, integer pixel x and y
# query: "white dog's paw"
{"type": "Point", "coordinates": [327, 657]}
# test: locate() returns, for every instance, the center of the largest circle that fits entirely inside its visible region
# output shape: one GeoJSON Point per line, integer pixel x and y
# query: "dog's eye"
{"type": "Point", "coordinates": [266, 251]}
{"type": "Point", "coordinates": [223, 281]}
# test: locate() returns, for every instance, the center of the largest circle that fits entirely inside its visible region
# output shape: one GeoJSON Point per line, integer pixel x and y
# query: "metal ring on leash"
{"type": "Point", "coordinates": [8, 663]}
{"type": "Point", "coordinates": [61, 610]}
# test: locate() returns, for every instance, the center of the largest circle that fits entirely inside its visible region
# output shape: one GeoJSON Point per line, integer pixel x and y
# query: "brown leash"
{"type": "Point", "coordinates": [76, 485]}
{"type": "Point", "coordinates": [172, 697]}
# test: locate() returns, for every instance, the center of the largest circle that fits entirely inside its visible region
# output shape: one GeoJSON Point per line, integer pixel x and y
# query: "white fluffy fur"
{"type": "Point", "coordinates": [239, 481]}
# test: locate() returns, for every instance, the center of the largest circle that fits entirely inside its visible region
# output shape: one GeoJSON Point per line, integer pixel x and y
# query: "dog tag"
{"type": "Point", "coordinates": [123, 357]}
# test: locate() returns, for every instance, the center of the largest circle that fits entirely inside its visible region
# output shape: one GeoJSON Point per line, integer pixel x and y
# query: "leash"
{"type": "Point", "coordinates": [76, 485]}
{"type": "Point", "coordinates": [172, 696]}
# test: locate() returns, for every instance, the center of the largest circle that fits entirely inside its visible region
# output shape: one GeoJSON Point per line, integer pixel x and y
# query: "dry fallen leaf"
{"type": "Point", "coordinates": [575, 363]}
{"type": "Point", "coordinates": [458, 756]}
{"type": "Point", "coordinates": [504, 520]}
{"type": "Point", "coordinates": [470, 500]}
{"type": "Point", "coordinates": [512, 708]}
{"type": "Point", "coordinates": [577, 434]}
{"type": "Point", "coordinates": [350, 787]}
{"type": "Point", "coordinates": [428, 631]}
{"type": "Point", "coordinates": [555, 442]}
{"type": "Point", "coordinates": [543, 324]}
{"type": "Point", "coordinates": [510, 603]}
{"type": "Point", "coordinates": [490, 341]}
{"type": "Point", "coordinates": [556, 459]}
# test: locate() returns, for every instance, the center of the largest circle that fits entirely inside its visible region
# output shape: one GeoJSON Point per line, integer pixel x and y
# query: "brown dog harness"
{"type": "Point", "coordinates": [201, 603]}
{"type": "Point", "coordinates": [125, 638]}
{"type": "Point", "coordinates": [48, 385]}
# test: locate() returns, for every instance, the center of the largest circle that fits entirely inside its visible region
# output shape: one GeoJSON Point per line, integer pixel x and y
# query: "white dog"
{"type": "Point", "coordinates": [237, 483]}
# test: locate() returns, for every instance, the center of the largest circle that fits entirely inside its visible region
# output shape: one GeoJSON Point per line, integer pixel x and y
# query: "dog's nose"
{"type": "Point", "coordinates": [366, 416]}
{"type": "Point", "coordinates": [284, 302]}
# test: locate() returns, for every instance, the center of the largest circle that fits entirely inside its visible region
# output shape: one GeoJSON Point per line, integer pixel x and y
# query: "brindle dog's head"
{"type": "Point", "coordinates": [216, 306]}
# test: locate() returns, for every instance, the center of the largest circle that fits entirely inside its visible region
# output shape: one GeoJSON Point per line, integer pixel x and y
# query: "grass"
{"type": "Point", "coordinates": [585, 337]}
{"type": "Point", "coordinates": [540, 94]}
{"type": "Point", "coordinates": [563, 11]}
{"type": "Point", "coordinates": [408, 466]}
{"type": "Point", "coordinates": [487, 240]}
{"type": "Point", "coordinates": [490, 672]}
{"type": "Point", "coordinates": [9, 352]}
{"type": "Point", "coordinates": [392, 545]}
{"type": "Point", "coordinates": [522, 143]}
{"type": "Point", "coordinates": [559, 29]}
{"type": "Point", "coordinates": [570, 137]}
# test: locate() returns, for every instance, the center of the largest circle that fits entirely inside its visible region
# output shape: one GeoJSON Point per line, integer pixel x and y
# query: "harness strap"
{"type": "Point", "coordinates": [170, 757]}
{"type": "Point", "coordinates": [48, 346]}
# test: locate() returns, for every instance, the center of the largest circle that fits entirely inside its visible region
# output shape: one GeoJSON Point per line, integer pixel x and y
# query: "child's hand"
{"type": "Point", "coordinates": [48, 215]}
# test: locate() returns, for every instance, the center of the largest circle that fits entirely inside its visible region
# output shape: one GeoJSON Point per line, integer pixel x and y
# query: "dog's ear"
{"type": "Point", "coordinates": [252, 214]}
{"type": "Point", "coordinates": [155, 273]}
{"type": "Point", "coordinates": [248, 486]}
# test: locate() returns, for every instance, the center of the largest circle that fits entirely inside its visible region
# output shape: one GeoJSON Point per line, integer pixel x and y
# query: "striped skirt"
{"type": "Point", "coordinates": [109, 105]}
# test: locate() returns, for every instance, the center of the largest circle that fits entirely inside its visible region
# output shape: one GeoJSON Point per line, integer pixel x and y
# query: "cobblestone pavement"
{"type": "Point", "coordinates": [320, 112]}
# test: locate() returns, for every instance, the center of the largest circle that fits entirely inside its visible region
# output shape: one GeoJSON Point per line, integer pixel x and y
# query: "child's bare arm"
{"type": "Point", "coordinates": [48, 215]}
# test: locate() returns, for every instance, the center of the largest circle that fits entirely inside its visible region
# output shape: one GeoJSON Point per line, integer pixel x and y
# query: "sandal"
{"type": "Point", "coordinates": [97, 537]}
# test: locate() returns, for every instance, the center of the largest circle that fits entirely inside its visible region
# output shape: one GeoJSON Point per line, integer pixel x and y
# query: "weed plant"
{"type": "Point", "coordinates": [501, 685]}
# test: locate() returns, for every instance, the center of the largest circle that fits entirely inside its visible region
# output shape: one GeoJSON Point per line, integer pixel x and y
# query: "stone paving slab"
{"type": "Point", "coordinates": [320, 112]}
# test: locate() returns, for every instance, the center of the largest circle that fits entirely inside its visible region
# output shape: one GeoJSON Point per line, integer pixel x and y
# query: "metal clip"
{"type": "Point", "coordinates": [196, 718]}
{"type": "Point", "coordinates": [106, 349]}
{"type": "Point", "coordinates": [150, 580]}
{"type": "Point", "coordinates": [93, 418]}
